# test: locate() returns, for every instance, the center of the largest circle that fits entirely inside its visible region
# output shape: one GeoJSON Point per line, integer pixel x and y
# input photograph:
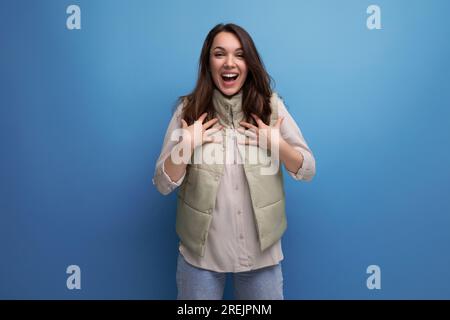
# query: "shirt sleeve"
{"type": "Point", "coordinates": [161, 180]}
{"type": "Point", "coordinates": [291, 134]}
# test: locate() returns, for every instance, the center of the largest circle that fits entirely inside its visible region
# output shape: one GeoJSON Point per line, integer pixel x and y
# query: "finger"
{"type": "Point", "coordinates": [248, 125]}
{"type": "Point", "coordinates": [252, 131]}
{"type": "Point", "coordinates": [248, 133]}
{"type": "Point", "coordinates": [208, 139]}
{"type": "Point", "coordinates": [212, 139]}
{"type": "Point", "coordinates": [208, 124]}
{"type": "Point", "coordinates": [242, 142]}
{"type": "Point", "coordinates": [250, 137]}
{"type": "Point", "coordinates": [184, 124]}
{"type": "Point", "coordinates": [248, 142]}
{"type": "Point", "coordinates": [211, 131]}
{"type": "Point", "coordinates": [258, 120]}
{"type": "Point", "coordinates": [202, 117]}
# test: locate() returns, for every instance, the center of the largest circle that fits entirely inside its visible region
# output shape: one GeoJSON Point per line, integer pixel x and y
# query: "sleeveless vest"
{"type": "Point", "coordinates": [197, 194]}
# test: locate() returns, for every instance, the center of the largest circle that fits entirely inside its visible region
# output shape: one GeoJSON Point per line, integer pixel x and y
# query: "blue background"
{"type": "Point", "coordinates": [83, 115]}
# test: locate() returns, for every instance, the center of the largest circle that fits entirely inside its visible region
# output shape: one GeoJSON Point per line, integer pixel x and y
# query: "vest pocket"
{"type": "Point", "coordinates": [192, 227]}
{"type": "Point", "coordinates": [265, 189]}
{"type": "Point", "coordinates": [201, 189]}
{"type": "Point", "coordinates": [271, 222]}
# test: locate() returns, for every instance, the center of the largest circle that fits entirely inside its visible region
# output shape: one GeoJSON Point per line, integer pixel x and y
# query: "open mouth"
{"type": "Point", "coordinates": [229, 77]}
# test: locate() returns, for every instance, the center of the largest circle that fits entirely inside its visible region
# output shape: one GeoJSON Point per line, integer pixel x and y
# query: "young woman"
{"type": "Point", "coordinates": [231, 213]}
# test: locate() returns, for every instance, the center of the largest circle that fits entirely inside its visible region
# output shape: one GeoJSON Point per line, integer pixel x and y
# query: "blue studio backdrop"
{"type": "Point", "coordinates": [83, 113]}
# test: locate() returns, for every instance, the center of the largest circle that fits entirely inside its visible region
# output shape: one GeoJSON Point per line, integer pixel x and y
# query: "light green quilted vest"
{"type": "Point", "coordinates": [197, 194]}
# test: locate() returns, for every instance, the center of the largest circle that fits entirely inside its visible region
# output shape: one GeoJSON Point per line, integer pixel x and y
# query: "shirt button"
{"type": "Point", "coordinates": [216, 178]}
{"type": "Point", "coordinates": [236, 187]}
{"type": "Point", "coordinates": [239, 211]}
{"type": "Point", "coordinates": [241, 236]}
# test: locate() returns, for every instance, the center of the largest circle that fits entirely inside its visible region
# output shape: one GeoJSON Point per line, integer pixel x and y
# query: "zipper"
{"type": "Point", "coordinates": [231, 114]}
{"type": "Point", "coordinates": [234, 137]}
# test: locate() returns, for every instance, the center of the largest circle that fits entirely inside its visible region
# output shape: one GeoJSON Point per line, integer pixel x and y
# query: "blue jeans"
{"type": "Point", "coordinates": [199, 284]}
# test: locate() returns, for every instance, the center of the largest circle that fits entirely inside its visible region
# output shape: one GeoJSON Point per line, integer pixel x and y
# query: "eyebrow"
{"type": "Point", "coordinates": [221, 48]}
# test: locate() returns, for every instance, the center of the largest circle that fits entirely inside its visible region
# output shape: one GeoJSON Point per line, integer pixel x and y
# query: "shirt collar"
{"type": "Point", "coordinates": [228, 109]}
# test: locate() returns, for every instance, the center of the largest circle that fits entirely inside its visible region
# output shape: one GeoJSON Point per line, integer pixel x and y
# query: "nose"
{"type": "Point", "coordinates": [229, 61]}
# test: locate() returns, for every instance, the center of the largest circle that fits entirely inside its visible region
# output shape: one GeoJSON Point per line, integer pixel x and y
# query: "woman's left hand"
{"type": "Point", "coordinates": [256, 134]}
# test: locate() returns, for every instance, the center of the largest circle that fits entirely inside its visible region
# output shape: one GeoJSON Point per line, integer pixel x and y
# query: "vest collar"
{"type": "Point", "coordinates": [228, 109]}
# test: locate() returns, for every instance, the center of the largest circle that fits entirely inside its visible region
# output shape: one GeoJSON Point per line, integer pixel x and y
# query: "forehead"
{"type": "Point", "coordinates": [226, 40]}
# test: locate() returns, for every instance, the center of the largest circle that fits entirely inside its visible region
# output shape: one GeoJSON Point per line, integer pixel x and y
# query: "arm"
{"type": "Point", "coordinates": [291, 158]}
{"type": "Point", "coordinates": [168, 174]}
{"type": "Point", "coordinates": [166, 181]}
{"type": "Point", "coordinates": [173, 170]}
{"type": "Point", "coordinates": [294, 151]}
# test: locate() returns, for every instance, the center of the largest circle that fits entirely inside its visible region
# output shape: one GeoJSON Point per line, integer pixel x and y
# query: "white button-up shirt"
{"type": "Point", "coordinates": [232, 244]}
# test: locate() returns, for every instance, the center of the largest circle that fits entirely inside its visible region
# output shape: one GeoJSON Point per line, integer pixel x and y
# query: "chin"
{"type": "Point", "coordinates": [229, 91]}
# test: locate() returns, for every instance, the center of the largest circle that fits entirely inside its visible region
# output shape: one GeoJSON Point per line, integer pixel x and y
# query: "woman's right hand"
{"type": "Point", "coordinates": [175, 164]}
{"type": "Point", "coordinates": [202, 132]}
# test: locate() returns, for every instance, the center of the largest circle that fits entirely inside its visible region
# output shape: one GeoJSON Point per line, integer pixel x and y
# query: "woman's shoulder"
{"type": "Point", "coordinates": [178, 107]}
{"type": "Point", "coordinates": [277, 101]}
{"type": "Point", "coordinates": [276, 97]}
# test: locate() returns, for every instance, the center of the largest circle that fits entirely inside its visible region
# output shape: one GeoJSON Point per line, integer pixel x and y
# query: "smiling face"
{"type": "Point", "coordinates": [227, 63]}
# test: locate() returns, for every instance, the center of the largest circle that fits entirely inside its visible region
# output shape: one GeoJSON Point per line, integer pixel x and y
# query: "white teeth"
{"type": "Point", "coordinates": [230, 75]}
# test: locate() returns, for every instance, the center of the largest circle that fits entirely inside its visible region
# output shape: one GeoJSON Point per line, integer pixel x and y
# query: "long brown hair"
{"type": "Point", "coordinates": [256, 90]}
